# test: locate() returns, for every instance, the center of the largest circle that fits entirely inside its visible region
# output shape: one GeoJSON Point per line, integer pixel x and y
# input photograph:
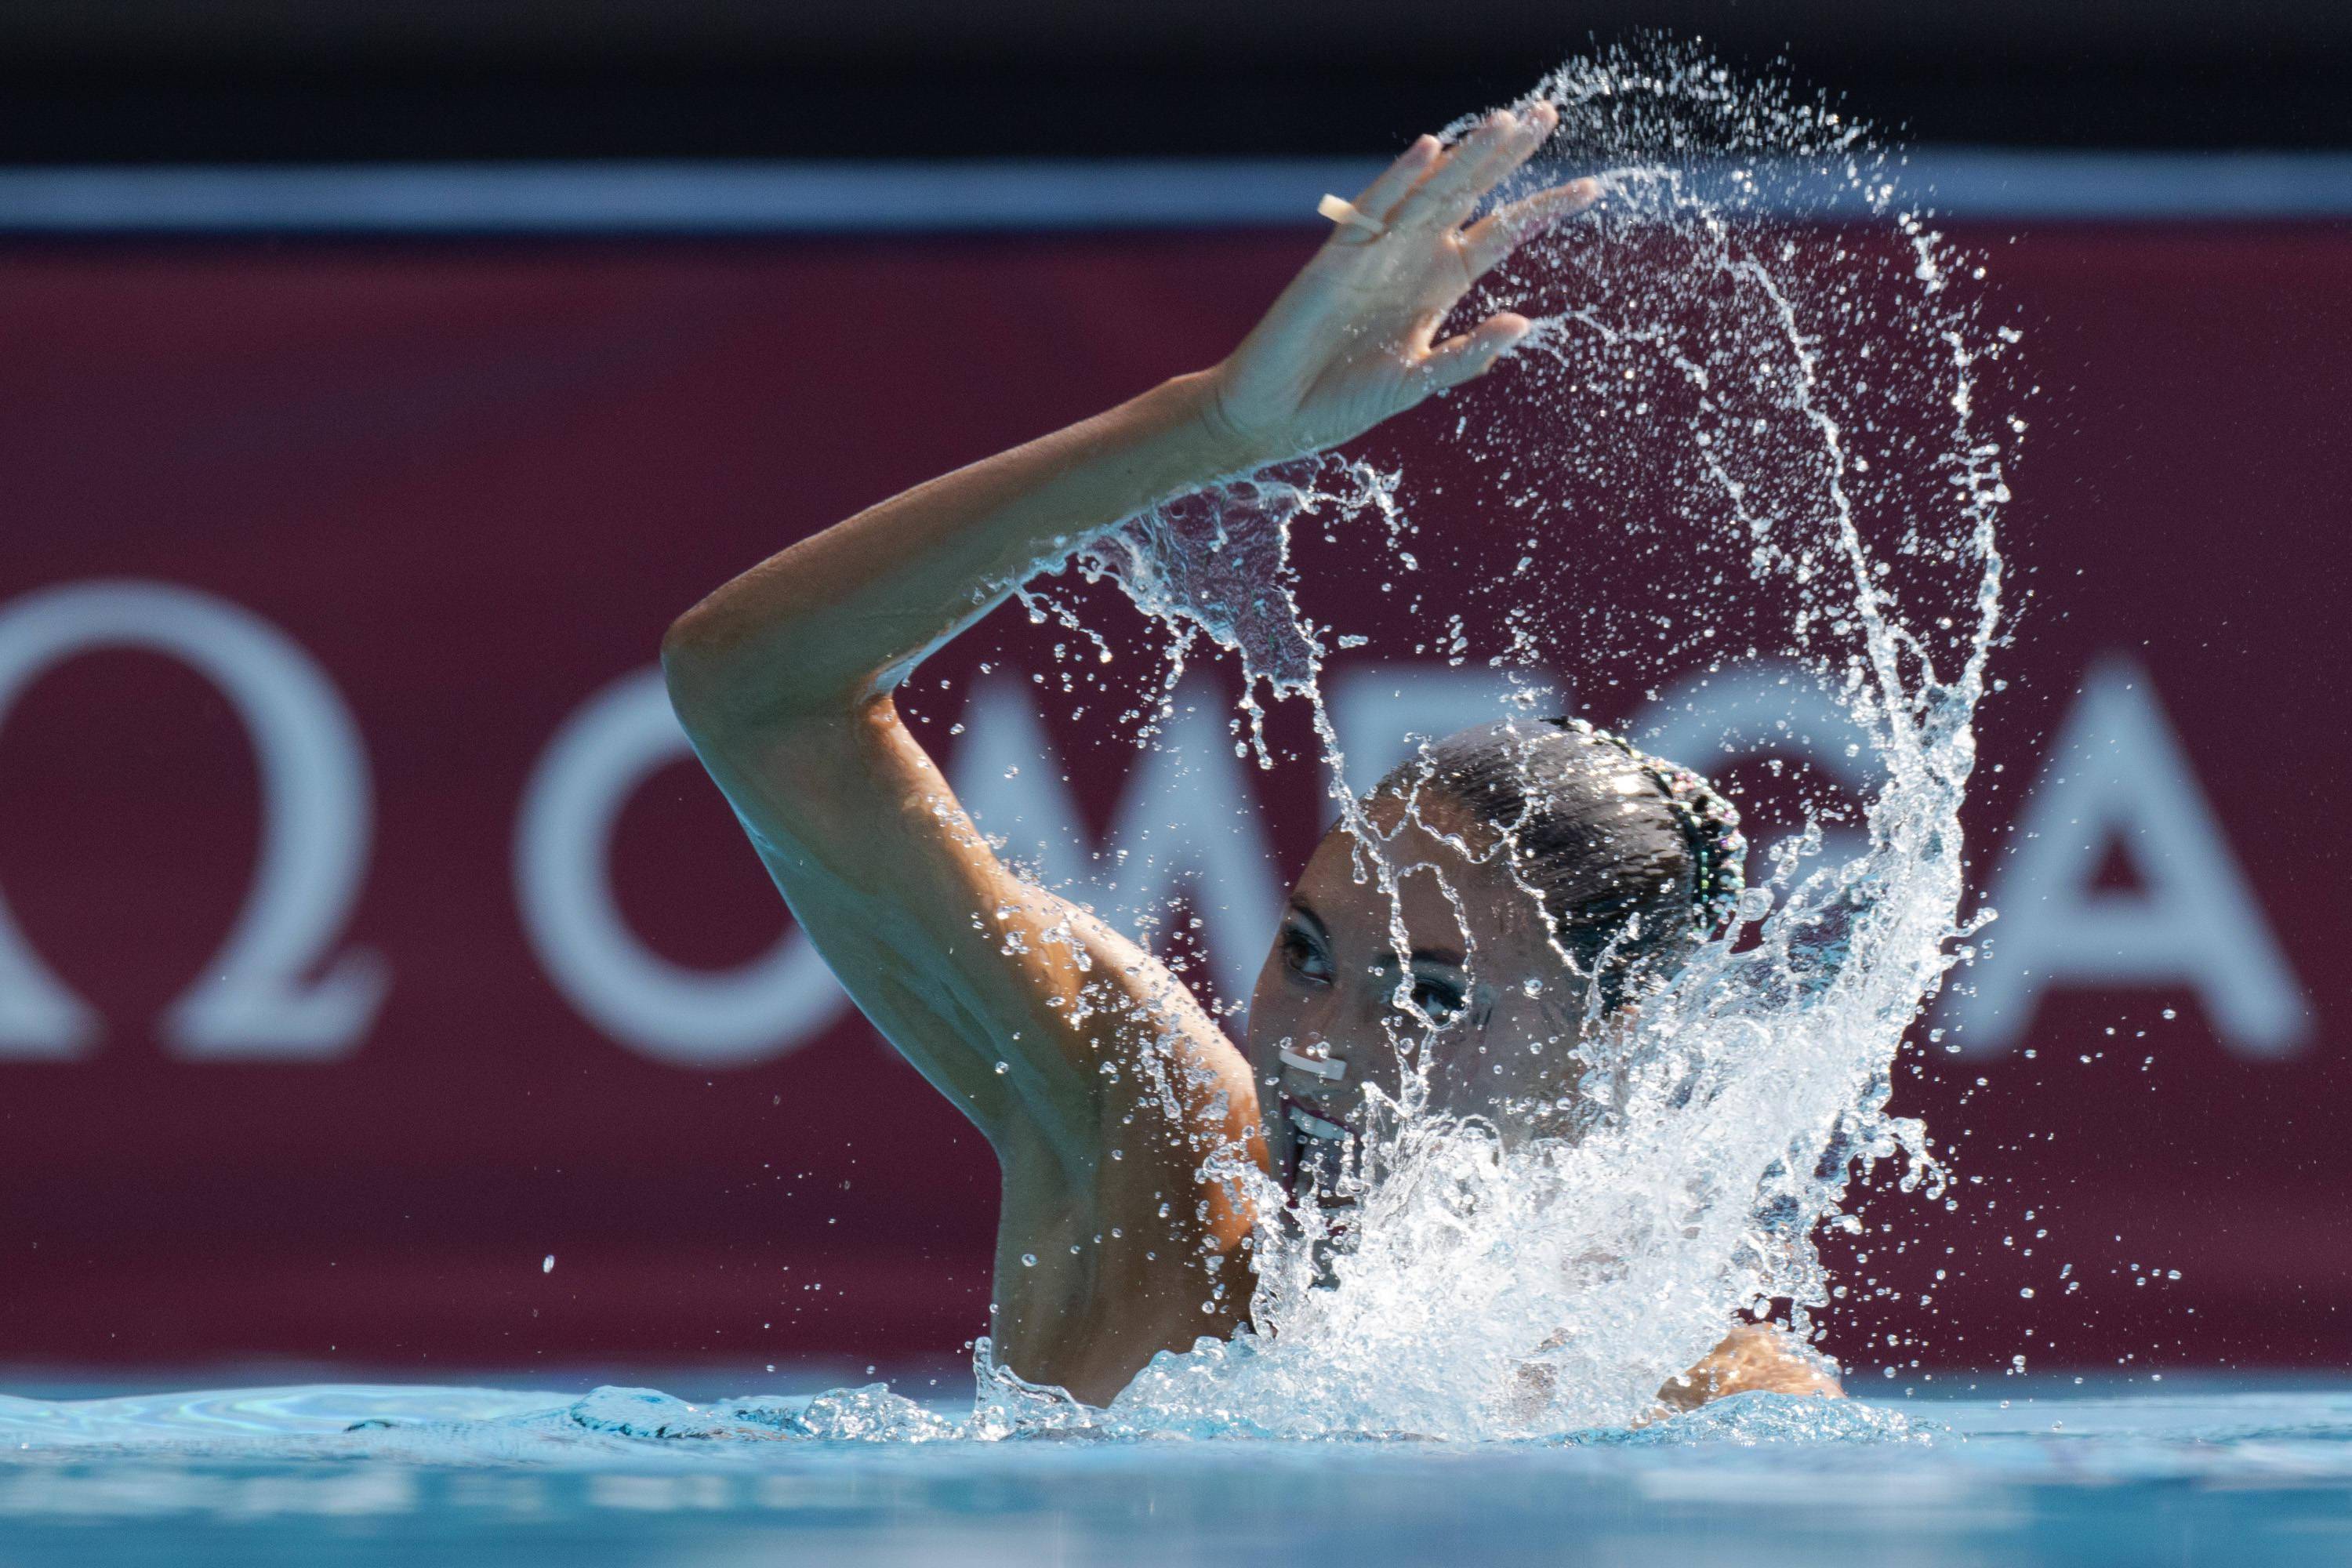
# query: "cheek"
{"type": "Point", "coordinates": [1537, 1050]}
{"type": "Point", "coordinates": [1273, 1014]}
{"type": "Point", "coordinates": [1506, 1054]}
{"type": "Point", "coordinates": [1270, 1000]}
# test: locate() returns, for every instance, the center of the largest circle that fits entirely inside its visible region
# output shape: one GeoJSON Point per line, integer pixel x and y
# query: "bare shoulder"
{"type": "Point", "coordinates": [1756, 1359]}
{"type": "Point", "coordinates": [1135, 1243]}
{"type": "Point", "coordinates": [1118, 1108]}
{"type": "Point", "coordinates": [1018, 1004]}
{"type": "Point", "coordinates": [1172, 1114]}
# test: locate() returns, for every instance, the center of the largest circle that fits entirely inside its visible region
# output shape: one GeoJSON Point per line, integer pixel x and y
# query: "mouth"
{"type": "Point", "coordinates": [1318, 1141]}
{"type": "Point", "coordinates": [1312, 1119]}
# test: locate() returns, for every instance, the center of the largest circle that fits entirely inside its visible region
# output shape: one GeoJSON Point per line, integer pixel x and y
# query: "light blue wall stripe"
{"type": "Point", "coordinates": [654, 198]}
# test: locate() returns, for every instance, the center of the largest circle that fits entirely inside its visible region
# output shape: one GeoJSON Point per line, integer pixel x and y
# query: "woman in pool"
{"type": "Point", "coordinates": [1114, 1229]}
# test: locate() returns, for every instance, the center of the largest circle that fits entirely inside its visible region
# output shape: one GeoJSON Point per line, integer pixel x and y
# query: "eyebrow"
{"type": "Point", "coordinates": [1445, 957]}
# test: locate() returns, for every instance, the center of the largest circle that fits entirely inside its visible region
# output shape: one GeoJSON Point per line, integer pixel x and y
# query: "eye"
{"type": "Point", "coordinates": [1440, 1002]}
{"type": "Point", "coordinates": [1304, 956]}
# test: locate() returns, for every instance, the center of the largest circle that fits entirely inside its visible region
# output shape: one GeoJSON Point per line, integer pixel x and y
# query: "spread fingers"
{"type": "Point", "coordinates": [1502, 142]}
{"type": "Point", "coordinates": [1411, 167]}
{"type": "Point", "coordinates": [1489, 241]}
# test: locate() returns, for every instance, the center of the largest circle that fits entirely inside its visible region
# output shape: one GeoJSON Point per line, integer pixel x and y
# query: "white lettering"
{"type": "Point", "coordinates": [2116, 776]}
{"type": "Point", "coordinates": [1381, 711]}
{"type": "Point", "coordinates": [253, 1002]}
{"type": "Point", "coordinates": [667, 1011]}
{"type": "Point", "coordinates": [1186, 823]}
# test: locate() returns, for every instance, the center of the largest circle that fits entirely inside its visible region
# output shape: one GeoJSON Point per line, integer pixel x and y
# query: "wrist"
{"type": "Point", "coordinates": [1224, 444]}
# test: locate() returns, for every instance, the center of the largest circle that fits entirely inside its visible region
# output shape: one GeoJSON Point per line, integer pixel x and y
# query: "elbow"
{"type": "Point", "coordinates": [724, 681]}
{"type": "Point", "coordinates": [724, 684]}
{"type": "Point", "coordinates": [693, 668]}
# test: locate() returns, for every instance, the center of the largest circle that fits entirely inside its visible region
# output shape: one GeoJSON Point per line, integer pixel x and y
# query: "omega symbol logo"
{"type": "Point", "coordinates": [274, 990]}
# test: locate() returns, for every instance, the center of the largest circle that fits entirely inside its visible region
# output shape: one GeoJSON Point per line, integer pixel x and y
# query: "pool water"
{"type": "Point", "coordinates": [2016, 1471]}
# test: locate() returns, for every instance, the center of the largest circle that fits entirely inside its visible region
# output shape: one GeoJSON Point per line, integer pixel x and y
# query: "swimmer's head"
{"type": "Point", "coordinates": [1546, 875]}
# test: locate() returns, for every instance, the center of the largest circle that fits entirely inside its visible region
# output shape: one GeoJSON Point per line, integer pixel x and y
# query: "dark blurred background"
{"type": "Point", "coordinates": [247, 81]}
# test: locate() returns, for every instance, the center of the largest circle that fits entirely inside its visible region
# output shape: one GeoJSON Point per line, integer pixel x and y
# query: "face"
{"type": "Point", "coordinates": [1477, 1002]}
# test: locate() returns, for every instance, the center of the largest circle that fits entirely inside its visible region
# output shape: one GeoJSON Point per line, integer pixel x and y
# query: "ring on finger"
{"type": "Point", "coordinates": [1347, 215]}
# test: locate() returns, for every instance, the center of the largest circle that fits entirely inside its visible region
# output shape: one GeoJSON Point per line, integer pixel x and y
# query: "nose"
{"type": "Point", "coordinates": [1318, 1064]}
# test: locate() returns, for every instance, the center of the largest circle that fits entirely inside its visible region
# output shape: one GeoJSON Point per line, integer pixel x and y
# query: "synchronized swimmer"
{"type": "Point", "coordinates": [1571, 864]}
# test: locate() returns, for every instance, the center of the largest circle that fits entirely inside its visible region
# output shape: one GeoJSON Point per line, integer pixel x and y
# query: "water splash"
{"type": "Point", "coordinates": [1791, 410]}
{"type": "Point", "coordinates": [1214, 565]}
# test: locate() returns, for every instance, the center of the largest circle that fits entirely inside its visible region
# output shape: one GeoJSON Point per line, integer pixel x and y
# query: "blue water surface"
{"type": "Point", "coordinates": [2013, 1471]}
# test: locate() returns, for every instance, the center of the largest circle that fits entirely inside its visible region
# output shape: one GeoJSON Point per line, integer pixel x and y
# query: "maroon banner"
{"type": "Point", "coordinates": [370, 941]}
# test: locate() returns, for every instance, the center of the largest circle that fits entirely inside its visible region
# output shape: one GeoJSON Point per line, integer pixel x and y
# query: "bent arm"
{"type": "Point", "coordinates": [837, 620]}
{"type": "Point", "coordinates": [1000, 993]}
{"type": "Point", "coordinates": [783, 679]}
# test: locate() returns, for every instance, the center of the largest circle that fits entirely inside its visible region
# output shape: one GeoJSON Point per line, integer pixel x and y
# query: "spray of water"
{"type": "Point", "coordinates": [1759, 376]}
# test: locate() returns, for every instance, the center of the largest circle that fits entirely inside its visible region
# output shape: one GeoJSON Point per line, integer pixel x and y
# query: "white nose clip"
{"type": "Point", "coordinates": [1322, 1066]}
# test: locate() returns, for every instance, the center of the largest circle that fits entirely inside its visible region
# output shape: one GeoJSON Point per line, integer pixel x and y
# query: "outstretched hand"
{"type": "Point", "coordinates": [1352, 341]}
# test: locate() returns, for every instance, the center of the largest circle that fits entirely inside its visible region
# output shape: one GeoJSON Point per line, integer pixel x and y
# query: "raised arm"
{"type": "Point", "coordinates": [783, 676]}
{"type": "Point", "coordinates": [783, 679]}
